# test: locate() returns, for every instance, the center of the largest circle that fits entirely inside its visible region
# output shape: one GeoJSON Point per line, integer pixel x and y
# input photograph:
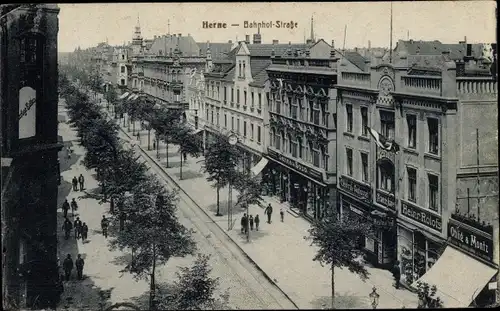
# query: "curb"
{"type": "Point", "coordinates": [224, 231]}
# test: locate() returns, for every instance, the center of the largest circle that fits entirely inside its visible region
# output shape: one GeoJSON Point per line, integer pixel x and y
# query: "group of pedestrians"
{"type": "Point", "coordinates": [248, 221]}
{"type": "Point", "coordinates": [68, 266]}
{"type": "Point", "coordinates": [80, 180]}
{"type": "Point", "coordinates": [66, 206]}
{"type": "Point", "coordinates": [81, 229]}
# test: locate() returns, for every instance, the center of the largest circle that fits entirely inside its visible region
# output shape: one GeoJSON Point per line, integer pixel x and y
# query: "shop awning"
{"type": "Point", "coordinates": [259, 166]}
{"type": "Point", "coordinates": [123, 95]}
{"type": "Point", "coordinates": [459, 278]}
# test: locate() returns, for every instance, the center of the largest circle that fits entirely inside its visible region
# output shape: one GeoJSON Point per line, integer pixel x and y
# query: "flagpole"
{"type": "Point", "coordinates": [390, 49]}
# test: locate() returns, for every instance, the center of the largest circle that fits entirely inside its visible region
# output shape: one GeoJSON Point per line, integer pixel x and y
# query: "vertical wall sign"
{"type": "Point", "coordinates": [27, 112]}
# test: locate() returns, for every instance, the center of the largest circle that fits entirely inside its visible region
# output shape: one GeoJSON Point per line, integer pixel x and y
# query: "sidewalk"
{"type": "Point", "coordinates": [279, 248]}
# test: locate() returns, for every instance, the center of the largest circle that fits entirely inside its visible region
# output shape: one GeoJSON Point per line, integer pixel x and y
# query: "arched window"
{"type": "Point", "coordinates": [300, 145]}
{"type": "Point", "coordinates": [273, 134]}
{"type": "Point", "coordinates": [385, 175]}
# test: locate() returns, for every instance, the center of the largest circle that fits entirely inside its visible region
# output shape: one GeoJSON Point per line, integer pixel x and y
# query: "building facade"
{"type": "Point", "coordinates": [416, 198]}
{"type": "Point", "coordinates": [29, 148]}
{"type": "Point", "coordinates": [302, 128]}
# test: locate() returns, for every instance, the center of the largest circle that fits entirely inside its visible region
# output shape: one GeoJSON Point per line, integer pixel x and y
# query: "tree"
{"type": "Point", "coordinates": [427, 296]}
{"type": "Point", "coordinates": [338, 244]}
{"type": "Point", "coordinates": [154, 231]}
{"type": "Point", "coordinates": [111, 97]}
{"type": "Point", "coordinates": [188, 143]}
{"type": "Point", "coordinates": [166, 125]}
{"type": "Point", "coordinates": [194, 289]}
{"type": "Point", "coordinates": [249, 192]}
{"type": "Point", "coordinates": [220, 163]}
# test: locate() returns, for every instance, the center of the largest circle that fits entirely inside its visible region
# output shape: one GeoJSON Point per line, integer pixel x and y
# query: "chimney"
{"type": "Point", "coordinates": [180, 35]}
{"type": "Point", "coordinates": [273, 53]}
{"type": "Point", "coordinates": [332, 50]}
{"type": "Point", "coordinates": [154, 37]}
{"type": "Point", "coordinates": [275, 41]}
{"type": "Point", "coordinates": [469, 49]}
{"type": "Point", "coordinates": [356, 49]}
{"type": "Point", "coordinates": [247, 39]}
{"type": "Point", "coordinates": [174, 35]}
{"type": "Point", "coordinates": [308, 41]}
{"type": "Point", "coordinates": [230, 41]}
{"type": "Point", "coordinates": [369, 44]}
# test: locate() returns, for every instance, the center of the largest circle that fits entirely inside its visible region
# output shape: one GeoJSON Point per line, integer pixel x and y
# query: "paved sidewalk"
{"type": "Point", "coordinates": [279, 248]}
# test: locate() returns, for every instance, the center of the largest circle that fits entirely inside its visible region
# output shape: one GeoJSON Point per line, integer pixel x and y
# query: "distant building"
{"type": "Point", "coordinates": [29, 149]}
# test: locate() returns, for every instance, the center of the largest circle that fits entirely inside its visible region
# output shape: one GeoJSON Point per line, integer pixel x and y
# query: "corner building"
{"type": "Point", "coordinates": [417, 199]}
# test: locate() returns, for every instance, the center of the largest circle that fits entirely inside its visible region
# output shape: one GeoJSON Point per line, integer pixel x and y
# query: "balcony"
{"type": "Point", "coordinates": [431, 85]}
{"type": "Point", "coordinates": [357, 79]}
{"type": "Point", "coordinates": [477, 86]}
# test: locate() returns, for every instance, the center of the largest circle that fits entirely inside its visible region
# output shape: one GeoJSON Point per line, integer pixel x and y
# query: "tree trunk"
{"type": "Point", "coordinates": [248, 224]}
{"type": "Point", "coordinates": [152, 283]}
{"type": "Point", "coordinates": [149, 139]}
{"type": "Point", "coordinates": [333, 286]}
{"type": "Point", "coordinates": [218, 202]}
{"type": "Point", "coordinates": [181, 167]}
{"type": "Point", "coordinates": [157, 146]}
{"type": "Point", "coordinates": [133, 127]}
{"type": "Point", "coordinates": [166, 147]}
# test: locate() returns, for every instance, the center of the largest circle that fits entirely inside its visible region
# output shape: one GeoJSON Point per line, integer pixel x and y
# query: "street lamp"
{"type": "Point", "coordinates": [374, 296]}
{"type": "Point", "coordinates": [233, 140]}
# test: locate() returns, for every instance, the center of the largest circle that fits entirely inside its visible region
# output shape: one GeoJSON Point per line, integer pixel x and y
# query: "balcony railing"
{"type": "Point", "coordinates": [477, 85]}
{"type": "Point", "coordinates": [483, 226]}
{"type": "Point", "coordinates": [355, 78]}
{"type": "Point", "coordinates": [422, 84]}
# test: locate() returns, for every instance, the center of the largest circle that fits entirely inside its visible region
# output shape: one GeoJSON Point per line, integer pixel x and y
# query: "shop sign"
{"type": "Point", "coordinates": [296, 165]}
{"type": "Point", "coordinates": [386, 222]}
{"type": "Point", "coordinates": [422, 216]}
{"type": "Point", "coordinates": [27, 112]}
{"type": "Point", "coordinates": [358, 190]}
{"type": "Point", "coordinates": [387, 200]}
{"type": "Point", "coordinates": [471, 240]}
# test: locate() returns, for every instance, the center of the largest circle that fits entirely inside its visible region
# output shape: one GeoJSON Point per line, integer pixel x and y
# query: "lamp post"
{"type": "Point", "coordinates": [233, 140]}
{"type": "Point", "coordinates": [374, 296]}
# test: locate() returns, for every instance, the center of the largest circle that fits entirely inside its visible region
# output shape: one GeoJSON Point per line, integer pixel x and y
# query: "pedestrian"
{"type": "Point", "coordinates": [75, 183]}
{"type": "Point", "coordinates": [68, 153]}
{"type": "Point", "coordinates": [79, 266]}
{"type": "Point", "coordinates": [65, 208]}
{"type": "Point", "coordinates": [396, 273]}
{"type": "Point", "coordinates": [257, 221]}
{"type": "Point", "coordinates": [85, 231]}
{"type": "Point", "coordinates": [74, 205]}
{"type": "Point", "coordinates": [67, 226]}
{"type": "Point", "coordinates": [78, 228]}
{"type": "Point", "coordinates": [68, 266]}
{"type": "Point", "coordinates": [282, 214]}
{"type": "Point", "coordinates": [269, 212]}
{"type": "Point", "coordinates": [251, 222]}
{"type": "Point", "coordinates": [81, 180]}
{"type": "Point", "coordinates": [104, 226]}
{"type": "Point", "coordinates": [243, 221]}
{"type": "Point", "coordinates": [154, 144]}
{"type": "Point", "coordinates": [138, 135]}
{"type": "Point", "coordinates": [185, 156]}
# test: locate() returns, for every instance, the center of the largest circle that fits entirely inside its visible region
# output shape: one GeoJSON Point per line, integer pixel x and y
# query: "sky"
{"type": "Point", "coordinates": [86, 25]}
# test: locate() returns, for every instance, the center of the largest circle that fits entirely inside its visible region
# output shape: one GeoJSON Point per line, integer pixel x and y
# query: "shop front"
{"type": "Point", "coordinates": [356, 199]}
{"type": "Point", "coordinates": [464, 271]}
{"type": "Point", "coordinates": [299, 185]}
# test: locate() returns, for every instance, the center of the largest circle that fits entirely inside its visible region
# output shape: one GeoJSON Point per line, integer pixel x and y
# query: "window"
{"type": "Point", "coordinates": [315, 114]}
{"type": "Point", "coordinates": [315, 154]}
{"type": "Point", "coordinates": [412, 184]}
{"type": "Point", "coordinates": [293, 111]}
{"type": "Point", "coordinates": [225, 120]}
{"type": "Point", "coordinates": [272, 137]}
{"type": "Point", "coordinates": [277, 143]}
{"type": "Point", "coordinates": [232, 123]}
{"type": "Point", "coordinates": [122, 69]}
{"type": "Point", "coordinates": [301, 147]}
{"type": "Point", "coordinates": [218, 115]}
{"type": "Point", "coordinates": [325, 157]}
{"type": "Point", "coordinates": [245, 97]}
{"type": "Point", "coordinates": [364, 121]}
{"type": "Point", "coordinates": [212, 116]}
{"type": "Point", "coordinates": [387, 124]}
{"type": "Point", "coordinates": [364, 166]}
{"type": "Point", "coordinates": [244, 128]}
{"type": "Point", "coordinates": [349, 118]}
{"type": "Point", "coordinates": [225, 93]}
{"type": "Point", "coordinates": [386, 176]}
{"type": "Point", "coordinates": [411, 120]}
{"type": "Point", "coordinates": [232, 95]}
{"type": "Point", "coordinates": [239, 69]}
{"type": "Point", "coordinates": [123, 56]}
{"type": "Point", "coordinates": [253, 103]}
{"type": "Point", "coordinates": [433, 135]}
{"type": "Point", "coordinates": [433, 192]}
{"type": "Point", "coordinates": [348, 153]}
{"type": "Point", "coordinates": [293, 146]}
{"type": "Point", "coordinates": [238, 125]}
{"type": "Point", "coordinates": [334, 118]}
{"type": "Point", "coordinates": [260, 101]}
{"type": "Point", "coordinates": [123, 81]}
{"type": "Point", "coordinates": [258, 134]}
{"type": "Point", "coordinates": [278, 106]}
{"type": "Point", "coordinates": [244, 66]}
{"type": "Point", "coordinates": [238, 96]}
{"type": "Point", "coordinates": [251, 131]}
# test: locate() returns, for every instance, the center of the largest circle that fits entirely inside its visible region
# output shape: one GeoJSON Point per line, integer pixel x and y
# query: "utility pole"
{"type": "Point", "coordinates": [390, 48]}
{"type": "Point", "coordinates": [345, 33]}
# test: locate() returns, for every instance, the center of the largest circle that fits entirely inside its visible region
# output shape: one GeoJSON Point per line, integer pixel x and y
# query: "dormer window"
{"type": "Point", "coordinates": [244, 66]}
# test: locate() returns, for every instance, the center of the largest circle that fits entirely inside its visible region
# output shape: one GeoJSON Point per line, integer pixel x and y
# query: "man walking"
{"type": "Point", "coordinates": [74, 181]}
{"type": "Point", "coordinates": [104, 226]}
{"type": "Point", "coordinates": [74, 206]}
{"type": "Point", "coordinates": [282, 214]}
{"type": "Point", "coordinates": [78, 228]}
{"type": "Point", "coordinates": [65, 208]}
{"type": "Point", "coordinates": [67, 226]}
{"type": "Point", "coordinates": [396, 273]}
{"type": "Point", "coordinates": [68, 266]}
{"type": "Point", "coordinates": [81, 180]}
{"type": "Point", "coordinates": [243, 222]}
{"type": "Point", "coordinates": [85, 231]}
{"type": "Point", "coordinates": [79, 267]}
{"type": "Point", "coordinates": [257, 221]}
{"type": "Point", "coordinates": [269, 212]}
{"type": "Point", "coordinates": [251, 222]}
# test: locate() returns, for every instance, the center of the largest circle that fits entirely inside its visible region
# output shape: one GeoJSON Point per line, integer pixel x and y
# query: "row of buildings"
{"type": "Point", "coordinates": [301, 113]}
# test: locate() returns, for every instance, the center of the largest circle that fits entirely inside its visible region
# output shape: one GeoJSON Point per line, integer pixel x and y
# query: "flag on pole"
{"type": "Point", "coordinates": [383, 142]}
